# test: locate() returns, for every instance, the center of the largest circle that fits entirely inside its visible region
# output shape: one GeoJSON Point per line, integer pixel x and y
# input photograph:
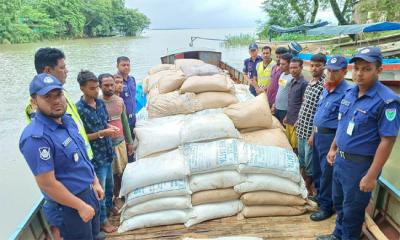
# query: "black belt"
{"type": "Point", "coordinates": [86, 190]}
{"type": "Point", "coordinates": [324, 130]}
{"type": "Point", "coordinates": [355, 157]}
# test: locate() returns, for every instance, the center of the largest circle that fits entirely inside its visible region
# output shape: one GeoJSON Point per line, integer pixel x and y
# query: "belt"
{"type": "Point", "coordinates": [324, 130]}
{"type": "Point", "coordinates": [86, 190]}
{"type": "Point", "coordinates": [355, 157]}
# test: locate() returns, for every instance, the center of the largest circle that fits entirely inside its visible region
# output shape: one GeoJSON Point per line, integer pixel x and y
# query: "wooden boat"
{"type": "Point", "coordinates": [384, 206]}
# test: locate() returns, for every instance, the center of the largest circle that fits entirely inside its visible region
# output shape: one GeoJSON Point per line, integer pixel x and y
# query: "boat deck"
{"type": "Point", "coordinates": [294, 227]}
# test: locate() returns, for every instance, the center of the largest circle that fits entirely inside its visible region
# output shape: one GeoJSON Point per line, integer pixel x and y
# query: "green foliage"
{"type": "Point", "coordinates": [32, 20]}
{"type": "Point", "coordinates": [242, 39]}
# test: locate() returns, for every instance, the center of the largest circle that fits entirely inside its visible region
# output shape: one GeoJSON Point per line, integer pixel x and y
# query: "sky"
{"type": "Point", "coordinates": [204, 13]}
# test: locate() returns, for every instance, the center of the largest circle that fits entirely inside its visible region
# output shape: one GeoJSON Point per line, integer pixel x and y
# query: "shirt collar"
{"type": "Point", "coordinates": [341, 87]}
{"type": "Point", "coordinates": [370, 92]}
{"type": "Point", "coordinates": [50, 122]}
{"type": "Point", "coordinates": [255, 60]}
{"type": "Point", "coordinates": [87, 105]}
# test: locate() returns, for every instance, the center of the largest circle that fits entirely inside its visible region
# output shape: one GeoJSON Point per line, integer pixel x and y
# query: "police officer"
{"type": "Point", "coordinates": [325, 125]}
{"type": "Point", "coordinates": [57, 156]}
{"type": "Point", "coordinates": [367, 130]}
{"type": "Point", "coordinates": [250, 69]}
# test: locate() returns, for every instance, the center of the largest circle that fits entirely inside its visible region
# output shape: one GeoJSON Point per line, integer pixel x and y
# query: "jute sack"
{"type": "Point", "coordinates": [171, 82]}
{"type": "Point", "coordinates": [161, 67]}
{"type": "Point", "coordinates": [173, 188]}
{"type": "Point", "coordinates": [271, 211]}
{"type": "Point", "coordinates": [208, 181]}
{"type": "Point", "coordinates": [210, 211]}
{"type": "Point", "coordinates": [209, 100]}
{"type": "Point", "coordinates": [214, 83]}
{"type": "Point", "coordinates": [151, 170]}
{"type": "Point", "coordinates": [155, 205]}
{"type": "Point", "coordinates": [200, 70]}
{"type": "Point", "coordinates": [267, 182]}
{"type": "Point", "coordinates": [267, 137]}
{"type": "Point", "coordinates": [275, 124]}
{"type": "Point", "coordinates": [173, 103]}
{"type": "Point", "coordinates": [271, 198]}
{"type": "Point", "coordinates": [187, 62]}
{"type": "Point", "coordinates": [151, 81]}
{"type": "Point", "coordinates": [207, 127]}
{"type": "Point", "coordinates": [251, 113]}
{"type": "Point", "coordinates": [161, 218]}
{"type": "Point", "coordinates": [214, 196]}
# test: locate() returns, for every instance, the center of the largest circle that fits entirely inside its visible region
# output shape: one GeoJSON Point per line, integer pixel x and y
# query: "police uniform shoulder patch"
{"type": "Point", "coordinates": [44, 153]}
{"type": "Point", "coordinates": [390, 114]}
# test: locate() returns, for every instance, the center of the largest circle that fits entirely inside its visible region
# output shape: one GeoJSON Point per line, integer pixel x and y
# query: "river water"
{"type": "Point", "coordinates": [19, 191]}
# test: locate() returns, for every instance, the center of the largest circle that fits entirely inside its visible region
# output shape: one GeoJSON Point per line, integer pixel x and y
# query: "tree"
{"type": "Point", "coordinates": [342, 15]}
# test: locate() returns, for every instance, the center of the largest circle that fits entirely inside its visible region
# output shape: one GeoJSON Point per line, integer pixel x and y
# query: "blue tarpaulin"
{"type": "Point", "coordinates": [140, 97]}
{"type": "Point", "coordinates": [307, 56]}
{"type": "Point", "coordinates": [301, 28]}
{"type": "Point", "coordinates": [354, 29]}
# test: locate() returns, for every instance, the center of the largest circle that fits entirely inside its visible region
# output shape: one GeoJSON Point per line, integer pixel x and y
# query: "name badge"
{"type": "Point", "coordinates": [350, 128]}
{"type": "Point", "coordinates": [67, 142]}
{"type": "Point", "coordinates": [76, 157]}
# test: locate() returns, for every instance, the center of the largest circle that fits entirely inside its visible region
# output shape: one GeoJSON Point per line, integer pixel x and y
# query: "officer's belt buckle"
{"type": "Point", "coordinates": [342, 155]}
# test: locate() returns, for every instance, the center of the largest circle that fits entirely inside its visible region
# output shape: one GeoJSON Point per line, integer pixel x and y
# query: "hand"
{"type": "Point", "coordinates": [259, 90]}
{"type": "Point", "coordinates": [108, 132]}
{"type": "Point", "coordinates": [98, 190]}
{"type": "Point", "coordinates": [330, 157]}
{"type": "Point", "coordinates": [130, 149]}
{"type": "Point", "coordinates": [86, 212]}
{"type": "Point", "coordinates": [284, 121]}
{"type": "Point", "coordinates": [367, 184]}
{"type": "Point", "coordinates": [310, 140]}
{"type": "Point", "coordinates": [273, 109]}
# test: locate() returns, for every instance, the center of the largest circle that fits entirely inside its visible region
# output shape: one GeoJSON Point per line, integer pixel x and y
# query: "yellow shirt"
{"type": "Point", "coordinates": [71, 109]}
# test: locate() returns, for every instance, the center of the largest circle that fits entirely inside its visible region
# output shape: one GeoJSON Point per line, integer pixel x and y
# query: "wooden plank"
{"type": "Point", "coordinates": [295, 227]}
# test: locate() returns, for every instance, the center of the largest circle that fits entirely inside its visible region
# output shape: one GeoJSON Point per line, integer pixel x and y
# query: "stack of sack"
{"type": "Point", "coordinates": [187, 87]}
{"type": "Point", "coordinates": [206, 149]}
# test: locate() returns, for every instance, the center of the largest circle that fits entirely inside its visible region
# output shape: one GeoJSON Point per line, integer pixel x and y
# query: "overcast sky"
{"type": "Point", "coordinates": [203, 13]}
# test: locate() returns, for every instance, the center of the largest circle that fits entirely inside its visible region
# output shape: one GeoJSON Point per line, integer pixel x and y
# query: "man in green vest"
{"type": "Point", "coordinates": [264, 70]}
{"type": "Point", "coordinates": [52, 61]}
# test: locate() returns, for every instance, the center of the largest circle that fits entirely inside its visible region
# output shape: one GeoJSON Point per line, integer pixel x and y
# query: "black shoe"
{"type": "Point", "coordinates": [314, 199]}
{"type": "Point", "coordinates": [327, 237]}
{"type": "Point", "coordinates": [320, 215]}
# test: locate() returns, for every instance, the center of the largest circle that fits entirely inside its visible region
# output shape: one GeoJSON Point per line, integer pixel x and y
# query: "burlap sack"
{"type": "Point", "coordinates": [171, 82]}
{"type": "Point", "coordinates": [215, 99]}
{"type": "Point", "coordinates": [276, 123]}
{"type": "Point", "coordinates": [252, 113]}
{"type": "Point", "coordinates": [161, 67]}
{"type": "Point", "coordinates": [214, 196]}
{"type": "Point", "coordinates": [172, 103]}
{"type": "Point", "coordinates": [271, 211]}
{"type": "Point", "coordinates": [267, 137]}
{"type": "Point", "coordinates": [151, 81]}
{"type": "Point", "coordinates": [271, 198]}
{"type": "Point", "coordinates": [187, 62]}
{"type": "Point", "coordinates": [214, 83]}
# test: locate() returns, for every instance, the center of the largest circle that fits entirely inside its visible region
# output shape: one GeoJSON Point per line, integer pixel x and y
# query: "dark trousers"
{"type": "Point", "coordinates": [322, 171]}
{"type": "Point", "coordinates": [131, 158]}
{"type": "Point", "coordinates": [349, 201]}
{"type": "Point", "coordinates": [280, 115]}
{"type": "Point", "coordinates": [73, 227]}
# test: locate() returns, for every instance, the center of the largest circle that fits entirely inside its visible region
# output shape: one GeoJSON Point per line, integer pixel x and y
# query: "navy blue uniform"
{"type": "Point", "coordinates": [48, 146]}
{"type": "Point", "coordinates": [363, 121]}
{"type": "Point", "coordinates": [250, 70]}
{"type": "Point", "coordinates": [326, 120]}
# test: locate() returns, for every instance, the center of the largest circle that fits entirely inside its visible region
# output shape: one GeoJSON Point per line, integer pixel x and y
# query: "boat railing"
{"type": "Point", "coordinates": [236, 75]}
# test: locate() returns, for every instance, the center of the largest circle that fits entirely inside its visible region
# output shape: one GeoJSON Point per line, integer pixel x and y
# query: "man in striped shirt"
{"type": "Point", "coordinates": [304, 124]}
